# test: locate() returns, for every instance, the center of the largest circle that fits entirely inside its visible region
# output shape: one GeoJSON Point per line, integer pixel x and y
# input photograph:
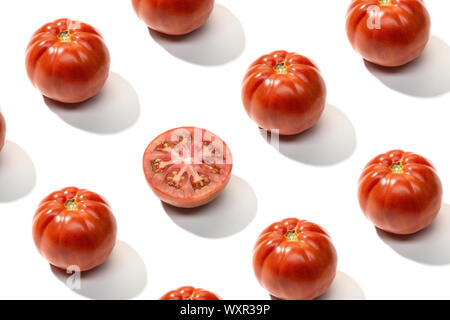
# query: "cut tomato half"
{"type": "Point", "coordinates": [187, 167]}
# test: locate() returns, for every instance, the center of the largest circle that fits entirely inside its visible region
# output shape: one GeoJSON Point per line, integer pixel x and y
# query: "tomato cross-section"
{"type": "Point", "coordinates": [187, 167]}
{"type": "Point", "coordinates": [190, 293]}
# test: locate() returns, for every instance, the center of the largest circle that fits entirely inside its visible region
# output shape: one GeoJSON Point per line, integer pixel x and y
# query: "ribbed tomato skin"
{"type": "Point", "coordinates": [394, 36]}
{"type": "Point", "coordinates": [295, 270]}
{"type": "Point", "coordinates": [173, 17]}
{"type": "Point", "coordinates": [68, 72]}
{"type": "Point", "coordinates": [190, 293]}
{"type": "Point", "coordinates": [291, 102]}
{"type": "Point", "coordinates": [400, 203]}
{"type": "Point", "coordinates": [83, 238]}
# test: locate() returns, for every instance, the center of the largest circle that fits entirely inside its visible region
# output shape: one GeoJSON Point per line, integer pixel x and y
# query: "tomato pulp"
{"type": "Point", "coordinates": [285, 92]}
{"type": "Point", "coordinates": [389, 33]}
{"type": "Point", "coordinates": [187, 167]}
{"type": "Point", "coordinates": [173, 17]}
{"type": "Point", "coordinates": [295, 260]}
{"type": "Point", "coordinates": [190, 293]}
{"type": "Point", "coordinates": [400, 192]}
{"type": "Point", "coordinates": [68, 61]}
{"type": "Point", "coordinates": [74, 228]}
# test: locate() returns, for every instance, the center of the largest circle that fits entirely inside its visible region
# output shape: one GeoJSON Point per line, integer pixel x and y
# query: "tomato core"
{"type": "Point", "coordinates": [64, 36]}
{"type": "Point", "coordinates": [397, 167]}
{"type": "Point", "coordinates": [280, 68]}
{"type": "Point", "coordinates": [384, 3]}
{"type": "Point", "coordinates": [291, 235]}
{"type": "Point", "coordinates": [71, 205]}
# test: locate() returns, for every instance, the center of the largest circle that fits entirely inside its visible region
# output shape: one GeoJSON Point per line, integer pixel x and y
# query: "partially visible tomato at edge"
{"type": "Point", "coordinates": [389, 33]}
{"type": "Point", "coordinates": [400, 192]}
{"type": "Point", "coordinates": [284, 91]}
{"type": "Point", "coordinates": [74, 228]}
{"type": "Point", "coordinates": [295, 260]}
{"type": "Point", "coordinates": [190, 293]}
{"type": "Point", "coordinates": [67, 61]}
{"type": "Point", "coordinates": [187, 167]}
{"type": "Point", "coordinates": [173, 17]}
{"type": "Point", "coordinates": [2, 131]}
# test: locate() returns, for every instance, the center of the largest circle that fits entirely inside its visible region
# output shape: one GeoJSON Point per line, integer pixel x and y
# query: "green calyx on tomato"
{"type": "Point", "coordinates": [397, 167]}
{"type": "Point", "coordinates": [281, 68]}
{"type": "Point", "coordinates": [65, 36]}
{"type": "Point", "coordinates": [291, 235]}
{"type": "Point", "coordinates": [385, 3]}
{"type": "Point", "coordinates": [71, 205]}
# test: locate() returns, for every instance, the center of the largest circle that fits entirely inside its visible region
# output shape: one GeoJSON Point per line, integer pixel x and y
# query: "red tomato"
{"type": "Point", "coordinates": [2, 131]}
{"type": "Point", "coordinates": [295, 260]}
{"type": "Point", "coordinates": [173, 17]}
{"type": "Point", "coordinates": [187, 167]}
{"type": "Point", "coordinates": [284, 91]}
{"type": "Point", "coordinates": [400, 192]}
{"type": "Point", "coordinates": [74, 227]}
{"type": "Point", "coordinates": [189, 293]}
{"type": "Point", "coordinates": [68, 61]}
{"type": "Point", "coordinates": [389, 33]}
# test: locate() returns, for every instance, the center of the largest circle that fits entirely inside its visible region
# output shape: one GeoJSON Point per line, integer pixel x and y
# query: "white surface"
{"type": "Point", "coordinates": [157, 84]}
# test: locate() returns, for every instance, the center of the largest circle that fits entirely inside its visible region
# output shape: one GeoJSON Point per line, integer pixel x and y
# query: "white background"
{"type": "Point", "coordinates": [157, 84]}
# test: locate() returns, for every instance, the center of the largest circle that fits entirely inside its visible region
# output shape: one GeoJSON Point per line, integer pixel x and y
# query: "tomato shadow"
{"type": "Point", "coordinates": [17, 173]}
{"type": "Point", "coordinates": [430, 246]}
{"type": "Point", "coordinates": [330, 141]}
{"type": "Point", "coordinates": [114, 109]}
{"type": "Point", "coordinates": [219, 41]}
{"type": "Point", "coordinates": [227, 215]}
{"type": "Point", "coordinates": [122, 276]}
{"type": "Point", "coordinates": [427, 76]}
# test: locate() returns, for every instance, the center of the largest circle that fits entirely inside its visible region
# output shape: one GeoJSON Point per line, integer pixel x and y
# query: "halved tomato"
{"type": "Point", "coordinates": [189, 293]}
{"type": "Point", "coordinates": [187, 167]}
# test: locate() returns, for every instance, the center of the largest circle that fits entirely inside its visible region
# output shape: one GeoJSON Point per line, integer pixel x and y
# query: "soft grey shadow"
{"type": "Point", "coordinates": [330, 141]}
{"type": "Point", "coordinates": [17, 173]}
{"type": "Point", "coordinates": [122, 276]}
{"type": "Point", "coordinates": [429, 246]}
{"type": "Point", "coordinates": [114, 109]}
{"type": "Point", "coordinates": [229, 214]}
{"type": "Point", "coordinates": [219, 41]}
{"type": "Point", "coordinates": [343, 288]}
{"type": "Point", "coordinates": [427, 76]}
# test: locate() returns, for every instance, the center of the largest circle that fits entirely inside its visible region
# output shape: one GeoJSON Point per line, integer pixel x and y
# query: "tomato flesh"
{"type": "Point", "coordinates": [187, 167]}
{"type": "Point", "coordinates": [190, 293]}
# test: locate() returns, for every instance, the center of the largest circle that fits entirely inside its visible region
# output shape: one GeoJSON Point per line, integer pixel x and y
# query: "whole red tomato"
{"type": "Point", "coordinates": [173, 17]}
{"type": "Point", "coordinates": [2, 131]}
{"type": "Point", "coordinates": [400, 192]}
{"type": "Point", "coordinates": [187, 167]}
{"type": "Point", "coordinates": [68, 61]}
{"type": "Point", "coordinates": [189, 293]}
{"type": "Point", "coordinates": [389, 33]}
{"type": "Point", "coordinates": [284, 91]}
{"type": "Point", "coordinates": [74, 227]}
{"type": "Point", "coordinates": [295, 260]}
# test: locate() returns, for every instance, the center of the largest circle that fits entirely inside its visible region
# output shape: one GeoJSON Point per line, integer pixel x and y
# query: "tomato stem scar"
{"type": "Point", "coordinates": [397, 167]}
{"type": "Point", "coordinates": [385, 2]}
{"type": "Point", "coordinates": [71, 205]}
{"type": "Point", "coordinates": [65, 36]}
{"type": "Point", "coordinates": [280, 68]}
{"type": "Point", "coordinates": [291, 235]}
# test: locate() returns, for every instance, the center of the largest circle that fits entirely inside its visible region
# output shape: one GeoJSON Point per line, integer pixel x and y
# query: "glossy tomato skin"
{"type": "Point", "coordinates": [2, 131]}
{"type": "Point", "coordinates": [388, 35]}
{"type": "Point", "coordinates": [295, 260]}
{"type": "Point", "coordinates": [284, 91]}
{"type": "Point", "coordinates": [190, 293]}
{"type": "Point", "coordinates": [74, 227]}
{"type": "Point", "coordinates": [173, 17]}
{"type": "Point", "coordinates": [68, 61]}
{"type": "Point", "coordinates": [215, 173]}
{"type": "Point", "coordinates": [400, 192]}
